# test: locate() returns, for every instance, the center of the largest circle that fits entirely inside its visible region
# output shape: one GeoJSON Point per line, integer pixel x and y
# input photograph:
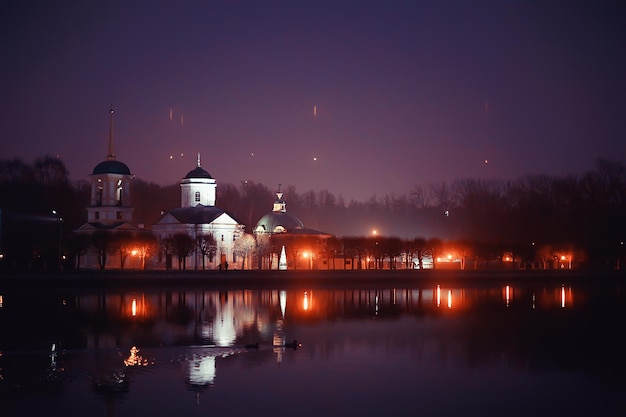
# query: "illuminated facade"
{"type": "Point", "coordinates": [199, 218]}
{"type": "Point", "coordinates": [278, 224]}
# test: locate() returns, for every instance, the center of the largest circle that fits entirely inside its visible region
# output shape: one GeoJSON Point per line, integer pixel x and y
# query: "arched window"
{"type": "Point", "coordinates": [119, 192]}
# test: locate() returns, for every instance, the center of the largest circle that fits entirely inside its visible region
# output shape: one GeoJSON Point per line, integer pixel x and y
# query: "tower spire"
{"type": "Point", "coordinates": [279, 204]}
{"type": "Point", "coordinates": [279, 194]}
{"type": "Point", "coordinates": [111, 155]}
{"type": "Point", "coordinates": [198, 159]}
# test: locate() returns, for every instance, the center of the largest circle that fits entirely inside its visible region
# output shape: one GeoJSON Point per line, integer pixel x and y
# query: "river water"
{"type": "Point", "coordinates": [500, 348]}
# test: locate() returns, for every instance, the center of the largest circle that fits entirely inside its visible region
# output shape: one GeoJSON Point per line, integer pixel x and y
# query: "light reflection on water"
{"type": "Point", "coordinates": [494, 350]}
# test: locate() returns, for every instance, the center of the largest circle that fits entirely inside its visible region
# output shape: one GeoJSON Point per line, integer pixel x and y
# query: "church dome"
{"type": "Point", "coordinates": [278, 222]}
{"type": "Point", "coordinates": [198, 172]}
{"type": "Point", "coordinates": [111, 167]}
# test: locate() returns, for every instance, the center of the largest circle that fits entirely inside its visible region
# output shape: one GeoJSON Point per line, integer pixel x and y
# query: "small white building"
{"type": "Point", "coordinates": [198, 217]}
{"type": "Point", "coordinates": [280, 223]}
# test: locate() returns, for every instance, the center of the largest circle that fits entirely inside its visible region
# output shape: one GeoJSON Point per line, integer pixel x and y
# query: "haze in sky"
{"type": "Point", "coordinates": [360, 98]}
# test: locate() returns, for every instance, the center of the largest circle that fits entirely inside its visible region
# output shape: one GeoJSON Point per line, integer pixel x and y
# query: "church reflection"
{"type": "Point", "coordinates": [209, 326]}
{"type": "Point", "coordinates": [202, 373]}
{"type": "Point", "coordinates": [240, 317]}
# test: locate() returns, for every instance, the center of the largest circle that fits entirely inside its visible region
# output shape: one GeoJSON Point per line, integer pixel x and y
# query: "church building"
{"type": "Point", "coordinates": [109, 213]}
{"type": "Point", "coordinates": [213, 230]}
{"type": "Point", "coordinates": [284, 242]}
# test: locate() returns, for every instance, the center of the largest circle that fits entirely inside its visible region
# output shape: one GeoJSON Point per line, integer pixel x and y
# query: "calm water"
{"type": "Point", "coordinates": [541, 349]}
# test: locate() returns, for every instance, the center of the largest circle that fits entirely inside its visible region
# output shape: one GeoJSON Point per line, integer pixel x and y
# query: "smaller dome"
{"type": "Point", "coordinates": [277, 221]}
{"type": "Point", "coordinates": [111, 167]}
{"type": "Point", "coordinates": [198, 172]}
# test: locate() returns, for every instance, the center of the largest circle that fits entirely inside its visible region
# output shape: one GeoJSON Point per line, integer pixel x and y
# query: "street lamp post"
{"type": "Point", "coordinates": [567, 259]}
{"type": "Point", "coordinates": [309, 255]}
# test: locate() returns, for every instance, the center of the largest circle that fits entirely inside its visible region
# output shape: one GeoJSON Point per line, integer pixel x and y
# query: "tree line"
{"type": "Point", "coordinates": [584, 212]}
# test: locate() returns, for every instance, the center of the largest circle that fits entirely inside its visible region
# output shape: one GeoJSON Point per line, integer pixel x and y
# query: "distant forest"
{"type": "Point", "coordinates": [586, 210]}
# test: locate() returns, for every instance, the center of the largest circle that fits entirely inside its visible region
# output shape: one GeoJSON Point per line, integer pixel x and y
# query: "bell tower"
{"type": "Point", "coordinates": [110, 189]}
{"type": "Point", "coordinates": [197, 188]}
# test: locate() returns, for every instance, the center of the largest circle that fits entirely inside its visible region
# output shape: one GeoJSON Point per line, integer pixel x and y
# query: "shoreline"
{"type": "Point", "coordinates": [263, 279]}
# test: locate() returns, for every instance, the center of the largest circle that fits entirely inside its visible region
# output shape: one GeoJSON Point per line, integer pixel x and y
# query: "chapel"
{"type": "Point", "coordinates": [280, 228]}
{"type": "Point", "coordinates": [213, 230]}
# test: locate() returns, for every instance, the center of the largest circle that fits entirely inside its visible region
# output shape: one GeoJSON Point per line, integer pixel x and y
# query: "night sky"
{"type": "Point", "coordinates": [360, 98]}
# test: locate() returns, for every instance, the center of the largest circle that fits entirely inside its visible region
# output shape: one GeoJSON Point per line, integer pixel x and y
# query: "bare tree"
{"type": "Point", "coordinates": [434, 247]}
{"type": "Point", "coordinates": [244, 247]}
{"type": "Point", "coordinates": [78, 246]}
{"type": "Point", "coordinates": [207, 246]}
{"type": "Point", "coordinates": [264, 249]}
{"type": "Point", "coordinates": [50, 171]}
{"type": "Point", "coordinates": [166, 247]}
{"type": "Point", "coordinates": [146, 245]}
{"type": "Point", "coordinates": [420, 198]}
{"type": "Point", "coordinates": [442, 196]}
{"type": "Point", "coordinates": [352, 248]}
{"type": "Point", "coordinates": [407, 251]}
{"type": "Point", "coordinates": [330, 247]}
{"type": "Point", "coordinates": [15, 170]}
{"type": "Point", "coordinates": [420, 248]}
{"type": "Point", "coordinates": [123, 242]}
{"type": "Point", "coordinates": [183, 247]}
{"type": "Point", "coordinates": [102, 240]}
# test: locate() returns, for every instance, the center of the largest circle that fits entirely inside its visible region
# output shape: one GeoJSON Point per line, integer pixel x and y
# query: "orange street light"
{"type": "Point", "coordinates": [310, 256]}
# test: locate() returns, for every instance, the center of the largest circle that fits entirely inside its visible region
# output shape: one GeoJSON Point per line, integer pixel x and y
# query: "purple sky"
{"type": "Point", "coordinates": [407, 92]}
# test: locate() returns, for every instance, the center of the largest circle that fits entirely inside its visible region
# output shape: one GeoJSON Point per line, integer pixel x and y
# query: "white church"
{"type": "Point", "coordinates": [212, 229]}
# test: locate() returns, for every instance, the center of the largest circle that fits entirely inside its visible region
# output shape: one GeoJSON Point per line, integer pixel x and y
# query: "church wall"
{"type": "Point", "coordinates": [223, 233]}
{"type": "Point", "coordinates": [110, 195]}
{"type": "Point", "coordinates": [107, 198]}
{"type": "Point", "coordinates": [206, 188]}
{"type": "Point", "coordinates": [109, 185]}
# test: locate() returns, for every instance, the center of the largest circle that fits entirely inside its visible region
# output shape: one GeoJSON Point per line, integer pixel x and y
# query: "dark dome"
{"type": "Point", "coordinates": [111, 167]}
{"type": "Point", "coordinates": [198, 172]}
{"type": "Point", "coordinates": [272, 220]}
